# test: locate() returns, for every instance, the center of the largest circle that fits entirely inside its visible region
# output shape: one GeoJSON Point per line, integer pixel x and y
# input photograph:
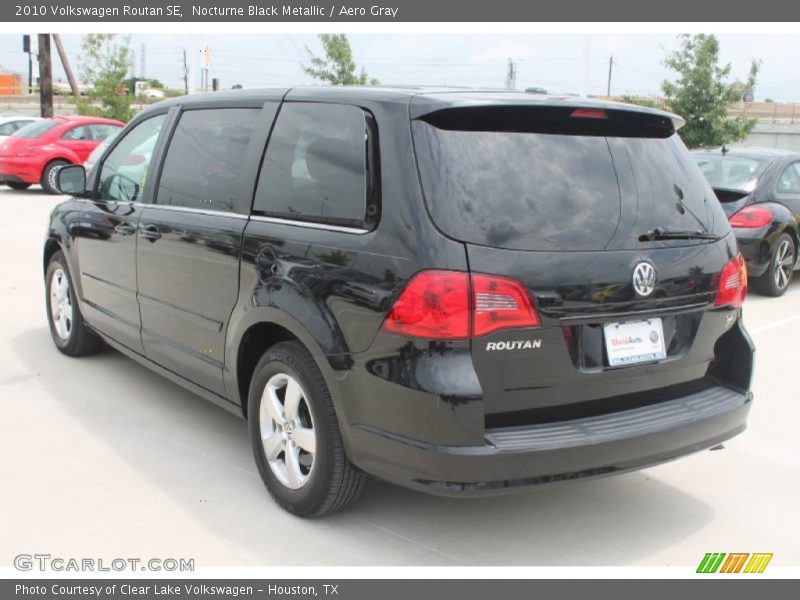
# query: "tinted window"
{"type": "Point", "coordinates": [36, 129]}
{"type": "Point", "coordinates": [671, 189]}
{"type": "Point", "coordinates": [101, 132]}
{"type": "Point", "coordinates": [126, 168]}
{"type": "Point", "coordinates": [789, 182]}
{"type": "Point", "coordinates": [8, 128]}
{"type": "Point", "coordinates": [82, 134]}
{"type": "Point", "coordinates": [204, 158]}
{"type": "Point", "coordinates": [315, 167]}
{"type": "Point", "coordinates": [739, 173]}
{"type": "Point", "coordinates": [527, 191]}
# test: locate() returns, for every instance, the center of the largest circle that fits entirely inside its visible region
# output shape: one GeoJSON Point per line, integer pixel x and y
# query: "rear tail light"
{"type": "Point", "coordinates": [446, 305]}
{"type": "Point", "coordinates": [751, 217]}
{"type": "Point", "coordinates": [732, 283]}
{"type": "Point", "coordinates": [588, 113]}
{"type": "Point", "coordinates": [500, 303]}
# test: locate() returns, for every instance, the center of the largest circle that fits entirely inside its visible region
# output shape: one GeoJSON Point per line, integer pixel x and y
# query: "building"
{"type": "Point", "coordinates": [11, 84]}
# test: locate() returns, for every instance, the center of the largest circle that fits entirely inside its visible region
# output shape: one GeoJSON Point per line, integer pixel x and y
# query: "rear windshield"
{"type": "Point", "coordinates": [528, 190]}
{"type": "Point", "coordinates": [738, 173]}
{"type": "Point", "coordinates": [35, 129]}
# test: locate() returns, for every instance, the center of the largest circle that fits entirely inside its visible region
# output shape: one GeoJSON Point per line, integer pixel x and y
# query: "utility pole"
{"type": "Point", "coordinates": [192, 65]}
{"type": "Point", "coordinates": [143, 70]}
{"type": "Point", "coordinates": [27, 48]}
{"type": "Point", "coordinates": [511, 75]}
{"type": "Point", "coordinates": [610, 66]}
{"type": "Point", "coordinates": [185, 72]}
{"type": "Point", "coordinates": [45, 76]}
{"type": "Point", "coordinates": [62, 53]}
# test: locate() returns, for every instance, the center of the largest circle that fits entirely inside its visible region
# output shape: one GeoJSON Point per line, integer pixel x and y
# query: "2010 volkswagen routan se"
{"type": "Point", "coordinates": [457, 291]}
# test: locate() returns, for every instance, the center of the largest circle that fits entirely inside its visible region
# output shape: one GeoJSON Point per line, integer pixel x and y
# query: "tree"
{"type": "Point", "coordinates": [104, 66]}
{"type": "Point", "coordinates": [338, 66]}
{"type": "Point", "coordinates": [701, 94]}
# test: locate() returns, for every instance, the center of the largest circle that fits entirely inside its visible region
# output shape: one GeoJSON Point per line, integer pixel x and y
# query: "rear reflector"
{"type": "Point", "coordinates": [732, 288]}
{"type": "Point", "coordinates": [588, 113]}
{"type": "Point", "coordinates": [454, 305]}
{"type": "Point", "coordinates": [751, 217]}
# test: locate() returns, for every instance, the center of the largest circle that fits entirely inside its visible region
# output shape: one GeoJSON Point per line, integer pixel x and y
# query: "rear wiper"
{"type": "Point", "coordinates": [667, 233]}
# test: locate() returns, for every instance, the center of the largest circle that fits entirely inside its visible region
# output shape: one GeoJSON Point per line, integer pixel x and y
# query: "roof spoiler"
{"type": "Point", "coordinates": [607, 119]}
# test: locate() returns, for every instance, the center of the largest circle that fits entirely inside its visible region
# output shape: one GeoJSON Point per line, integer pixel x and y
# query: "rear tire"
{"type": "Point", "coordinates": [18, 185]}
{"type": "Point", "coordinates": [49, 176]}
{"type": "Point", "coordinates": [295, 436]}
{"type": "Point", "coordinates": [70, 333]}
{"type": "Point", "coordinates": [778, 275]}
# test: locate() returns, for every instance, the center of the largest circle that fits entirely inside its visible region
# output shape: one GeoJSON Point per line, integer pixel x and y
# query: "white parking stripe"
{"type": "Point", "coordinates": [773, 324]}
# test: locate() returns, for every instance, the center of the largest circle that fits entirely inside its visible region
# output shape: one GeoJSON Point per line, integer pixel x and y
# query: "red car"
{"type": "Point", "coordinates": [34, 153]}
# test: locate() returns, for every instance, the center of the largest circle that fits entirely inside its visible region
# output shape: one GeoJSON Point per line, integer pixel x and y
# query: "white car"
{"type": "Point", "coordinates": [12, 123]}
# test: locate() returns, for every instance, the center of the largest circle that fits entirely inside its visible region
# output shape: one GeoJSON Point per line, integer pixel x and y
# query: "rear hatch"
{"type": "Point", "coordinates": [568, 201]}
{"type": "Point", "coordinates": [26, 137]}
{"type": "Point", "coordinates": [732, 176]}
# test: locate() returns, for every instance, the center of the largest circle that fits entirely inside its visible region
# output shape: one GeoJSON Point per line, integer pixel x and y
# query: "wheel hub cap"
{"type": "Point", "coordinates": [60, 304]}
{"type": "Point", "coordinates": [287, 431]}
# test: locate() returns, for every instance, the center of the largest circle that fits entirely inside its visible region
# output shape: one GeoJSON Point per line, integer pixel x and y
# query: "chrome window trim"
{"type": "Point", "coordinates": [200, 211]}
{"type": "Point", "coordinates": [260, 218]}
{"type": "Point", "coordinates": [310, 225]}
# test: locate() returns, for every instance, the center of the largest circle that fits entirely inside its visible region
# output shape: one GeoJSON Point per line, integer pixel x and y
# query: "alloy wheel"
{"type": "Point", "coordinates": [784, 264]}
{"type": "Point", "coordinates": [287, 431]}
{"type": "Point", "coordinates": [61, 304]}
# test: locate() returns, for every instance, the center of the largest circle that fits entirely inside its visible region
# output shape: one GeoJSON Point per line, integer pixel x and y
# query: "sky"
{"type": "Point", "coordinates": [560, 63]}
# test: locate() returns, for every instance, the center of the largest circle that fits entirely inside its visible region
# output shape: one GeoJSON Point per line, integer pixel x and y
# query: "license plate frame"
{"type": "Point", "coordinates": [634, 342]}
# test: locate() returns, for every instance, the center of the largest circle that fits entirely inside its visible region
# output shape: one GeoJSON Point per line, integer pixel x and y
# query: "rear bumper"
{"type": "Point", "coordinates": [755, 248]}
{"type": "Point", "coordinates": [19, 170]}
{"type": "Point", "coordinates": [515, 457]}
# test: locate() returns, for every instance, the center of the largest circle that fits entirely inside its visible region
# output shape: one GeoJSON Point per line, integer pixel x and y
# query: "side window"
{"type": "Point", "coordinates": [101, 132]}
{"type": "Point", "coordinates": [316, 167]}
{"type": "Point", "coordinates": [204, 158]}
{"type": "Point", "coordinates": [8, 128]}
{"type": "Point", "coordinates": [125, 170]}
{"type": "Point", "coordinates": [789, 182]}
{"type": "Point", "coordinates": [80, 134]}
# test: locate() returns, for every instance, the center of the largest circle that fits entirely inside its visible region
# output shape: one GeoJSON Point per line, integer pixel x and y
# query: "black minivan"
{"type": "Point", "coordinates": [458, 291]}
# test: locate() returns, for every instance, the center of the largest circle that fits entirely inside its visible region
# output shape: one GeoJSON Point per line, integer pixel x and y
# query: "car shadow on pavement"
{"type": "Point", "coordinates": [199, 456]}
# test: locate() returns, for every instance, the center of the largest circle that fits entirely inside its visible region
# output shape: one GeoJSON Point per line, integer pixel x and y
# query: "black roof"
{"type": "Point", "coordinates": [424, 98]}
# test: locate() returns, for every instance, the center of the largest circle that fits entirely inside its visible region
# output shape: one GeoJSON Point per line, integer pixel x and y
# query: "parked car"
{"type": "Point", "coordinates": [92, 159]}
{"type": "Point", "coordinates": [459, 292]}
{"type": "Point", "coordinates": [10, 124]}
{"type": "Point", "coordinates": [34, 153]}
{"type": "Point", "coordinates": [759, 189]}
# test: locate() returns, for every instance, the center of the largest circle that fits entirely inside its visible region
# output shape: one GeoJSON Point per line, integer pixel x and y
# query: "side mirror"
{"type": "Point", "coordinates": [71, 180]}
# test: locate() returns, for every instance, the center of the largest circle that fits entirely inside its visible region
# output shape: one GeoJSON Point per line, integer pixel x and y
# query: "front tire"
{"type": "Point", "coordinates": [70, 333]}
{"type": "Point", "coordinates": [49, 176]}
{"type": "Point", "coordinates": [781, 268]}
{"type": "Point", "coordinates": [295, 436]}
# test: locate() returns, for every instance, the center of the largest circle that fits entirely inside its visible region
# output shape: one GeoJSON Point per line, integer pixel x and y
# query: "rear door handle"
{"type": "Point", "coordinates": [150, 232]}
{"type": "Point", "coordinates": [125, 229]}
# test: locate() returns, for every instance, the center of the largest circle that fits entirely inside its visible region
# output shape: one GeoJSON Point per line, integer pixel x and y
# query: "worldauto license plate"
{"type": "Point", "coordinates": [632, 342]}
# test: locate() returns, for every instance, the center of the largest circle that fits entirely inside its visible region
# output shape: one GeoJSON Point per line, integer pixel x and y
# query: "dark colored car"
{"type": "Point", "coordinates": [462, 292]}
{"type": "Point", "coordinates": [34, 153]}
{"type": "Point", "coordinates": [759, 189]}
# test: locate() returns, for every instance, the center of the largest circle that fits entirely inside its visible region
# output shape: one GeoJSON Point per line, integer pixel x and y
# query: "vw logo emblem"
{"type": "Point", "coordinates": [644, 278]}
